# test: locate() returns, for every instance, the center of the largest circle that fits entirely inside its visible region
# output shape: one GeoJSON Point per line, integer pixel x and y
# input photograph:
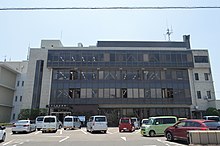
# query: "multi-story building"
{"type": "Point", "coordinates": [118, 78]}
{"type": "Point", "coordinates": [7, 89]}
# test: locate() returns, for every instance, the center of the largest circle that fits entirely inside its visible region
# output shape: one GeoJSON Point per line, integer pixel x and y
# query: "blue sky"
{"type": "Point", "coordinates": [20, 29]}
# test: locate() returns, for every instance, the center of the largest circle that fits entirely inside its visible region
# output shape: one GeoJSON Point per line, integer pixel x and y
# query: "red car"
{"type": "Point", "coordinates": [125, 124]}
{"type": "Point", "coordinates": [179, 130]}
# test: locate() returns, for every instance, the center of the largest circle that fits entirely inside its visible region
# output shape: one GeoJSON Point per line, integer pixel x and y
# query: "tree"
{"type": "Point", "coordinates": [211, 111]}
{"type": "Point", "coordinates": [31, 113]}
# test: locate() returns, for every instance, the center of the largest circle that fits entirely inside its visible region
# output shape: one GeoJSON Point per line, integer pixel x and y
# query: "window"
{"type": "Point", "coordinates": [179, 75]}
{"type": "Point", "coordinates": [167, 93]}
{"type": "Point", "coordinates": [18, 82]}
{"type": "Point", "coordinates": [209, 94]}
{"type": "Point", "coordinates": [74, 75]}
{"type": "Point", "coordinates": [16, 98]}
{"type": "Point", "coordinates": [201, 59]}
{"type": "Point", "coordinates": [20, 98]}
{"type": "Point", "coordinates": [199, 94]}
{"type": "Point", "coordinates": [196, 76]}
{"type": "Point", "coordinates": [13, 117]}
{"type": "Point", "coordinates": [74, 92]}
{"type": "Point", "coordinates": [22, 84]}
{"type": "Point", "coordinates": [124, 93]}
{"type": "Point", "coordinates": [206, 75]}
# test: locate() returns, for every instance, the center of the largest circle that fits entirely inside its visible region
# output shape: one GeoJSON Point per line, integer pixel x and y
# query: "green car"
{"type": "Point", "coordinates": [157, 125]}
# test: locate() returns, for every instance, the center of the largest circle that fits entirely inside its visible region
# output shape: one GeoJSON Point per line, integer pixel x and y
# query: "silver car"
{"type": "Point", "coordinates": [97, 123]}
{"type": "Point", "coordinates": [24, 126]}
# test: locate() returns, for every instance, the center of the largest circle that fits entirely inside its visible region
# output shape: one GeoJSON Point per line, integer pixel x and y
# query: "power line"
{"type": "Point", "coordinates": [106, 8]}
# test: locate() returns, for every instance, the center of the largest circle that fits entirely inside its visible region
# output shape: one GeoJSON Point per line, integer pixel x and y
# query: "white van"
{"type": "Point", "coordinates": [50, 124]}
{"type": "Point", "coordinates": [39, 122]}
{"type": "Point", "coordinates": [215, 118]}
{"type": "Point", "coordinates": [97, 123]}
{"type": "Point", "coordinates": [71, 122]}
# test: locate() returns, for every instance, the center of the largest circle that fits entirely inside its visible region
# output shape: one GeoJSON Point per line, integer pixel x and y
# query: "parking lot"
{"type": "Point", "coordinates": [81, 137]}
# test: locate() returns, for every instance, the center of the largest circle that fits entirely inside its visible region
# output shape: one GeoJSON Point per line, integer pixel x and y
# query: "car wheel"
{"type": "Point", "coordinates": [38, 129]}
{"type": "Point", "coordinates": [13, 132]}
{"type": "Point", "coordinates": [104, 131]}
{"type": "Point", "coordinates": [64, 128]}
{"type": "Point", "coordinates": [169, 136]}
{"type": "Point", "coordinates": [152, 133]}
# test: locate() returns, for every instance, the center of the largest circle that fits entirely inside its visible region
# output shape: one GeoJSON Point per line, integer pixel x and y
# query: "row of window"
{"type": "Point", "coordinates": [121, 93]}
{"type": "Point", "coordinates": [18, 83]}
{"type": "Point", "coordinates": [167, 74]}
{"type": "Point", "coordinates": [16, 98]}
{"type": "Point", "coordinates": [119, 56]}
{"type": "Point", "coordinates": [207, 96]}
{"type": "Point", "coordinates": [206, 76]}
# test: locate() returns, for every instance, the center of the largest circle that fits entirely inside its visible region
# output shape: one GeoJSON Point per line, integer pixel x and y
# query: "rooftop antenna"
{"type": "Point", "coordinates": [29, 46]}
{"type": "Point", "coordinates": [169, 32]}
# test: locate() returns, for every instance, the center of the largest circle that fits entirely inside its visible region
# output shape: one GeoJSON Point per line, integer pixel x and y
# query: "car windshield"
{"type": "Point", "coordinates": [124, 120]}
{"type": "Point", "coordinates": [48, 120]}
{"type": "Point", "coordinates": [212, 124]}
{"type": "Point", "coordinates": [40, 119]}
{"type": "Point", "coordinates": [68, 119]}
{"type": "Point", "coordinates": [145, 121]}
{"type": "Point", "coordinates": [22, 121]}
{"type": "Point", "coordinates": [149, 122]}
{"type": "Point", "coordinates": [100, 119]}
{"type": "Point", "coordinates": [133, 120]}
{"type": "Point", "coordinates": [214, 118]}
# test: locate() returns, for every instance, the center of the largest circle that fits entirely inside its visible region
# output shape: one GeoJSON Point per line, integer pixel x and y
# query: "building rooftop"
{"type": "Point", "coordinates": [167, 44]}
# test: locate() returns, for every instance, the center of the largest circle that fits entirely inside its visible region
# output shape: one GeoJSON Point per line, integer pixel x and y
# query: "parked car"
{"type": "Point", "coordinates": [97, 123]}
{"type": "Point", "coordinates": [215, 118]}
{"type": "Point", "coordinates": [50, 124]}
{"type": "Point", "coordinates": [2, 133]}
{"type": "Point", "coordinates": [125, 124]}
{"type": "Point", "coordinates": [144, 121]}
{"type": "Point", "coordinates": [157, 125]}
{"type": "Point", "coordinates": [39, 122]}
{"type": "Point", "coordinates": [71, 122]}
{"type": "Point", "coordinates": [136, 123]}
{"type": "Point", "coordinates": [24, 126]}
{"type": "Point", "coordinates": [180, 129]}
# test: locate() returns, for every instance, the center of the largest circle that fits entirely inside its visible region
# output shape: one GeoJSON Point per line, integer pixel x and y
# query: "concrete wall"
{"type": "Point", "coordinates": [201, 84]}
{"type": "Point", "coordinates": [7, 88]}
{"type": "Point", "coordinates": [37, 54]}
{"type": "Point", "coordinates": [21, 67]}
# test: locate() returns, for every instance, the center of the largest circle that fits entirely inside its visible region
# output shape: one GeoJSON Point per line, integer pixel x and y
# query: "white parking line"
{"type": "Point", "coordinates": [83, 131]}
{"type": "Point", "coordinates": [61, 131]}
{"type": "Point", "coordinates": [37, 132]}
{"type": "Point", "coordinates": [8, 142]}
{"type": "Point", "coordinates": [124, 138]}
{"type": "Point", "coordinates": [163, 142]}
{"type": "Point", "coordinates": [136, 132]}
{"type": "Point", "coordinates": [109, 132]}
{"type": "Point", "coordinates": [64, 139]}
